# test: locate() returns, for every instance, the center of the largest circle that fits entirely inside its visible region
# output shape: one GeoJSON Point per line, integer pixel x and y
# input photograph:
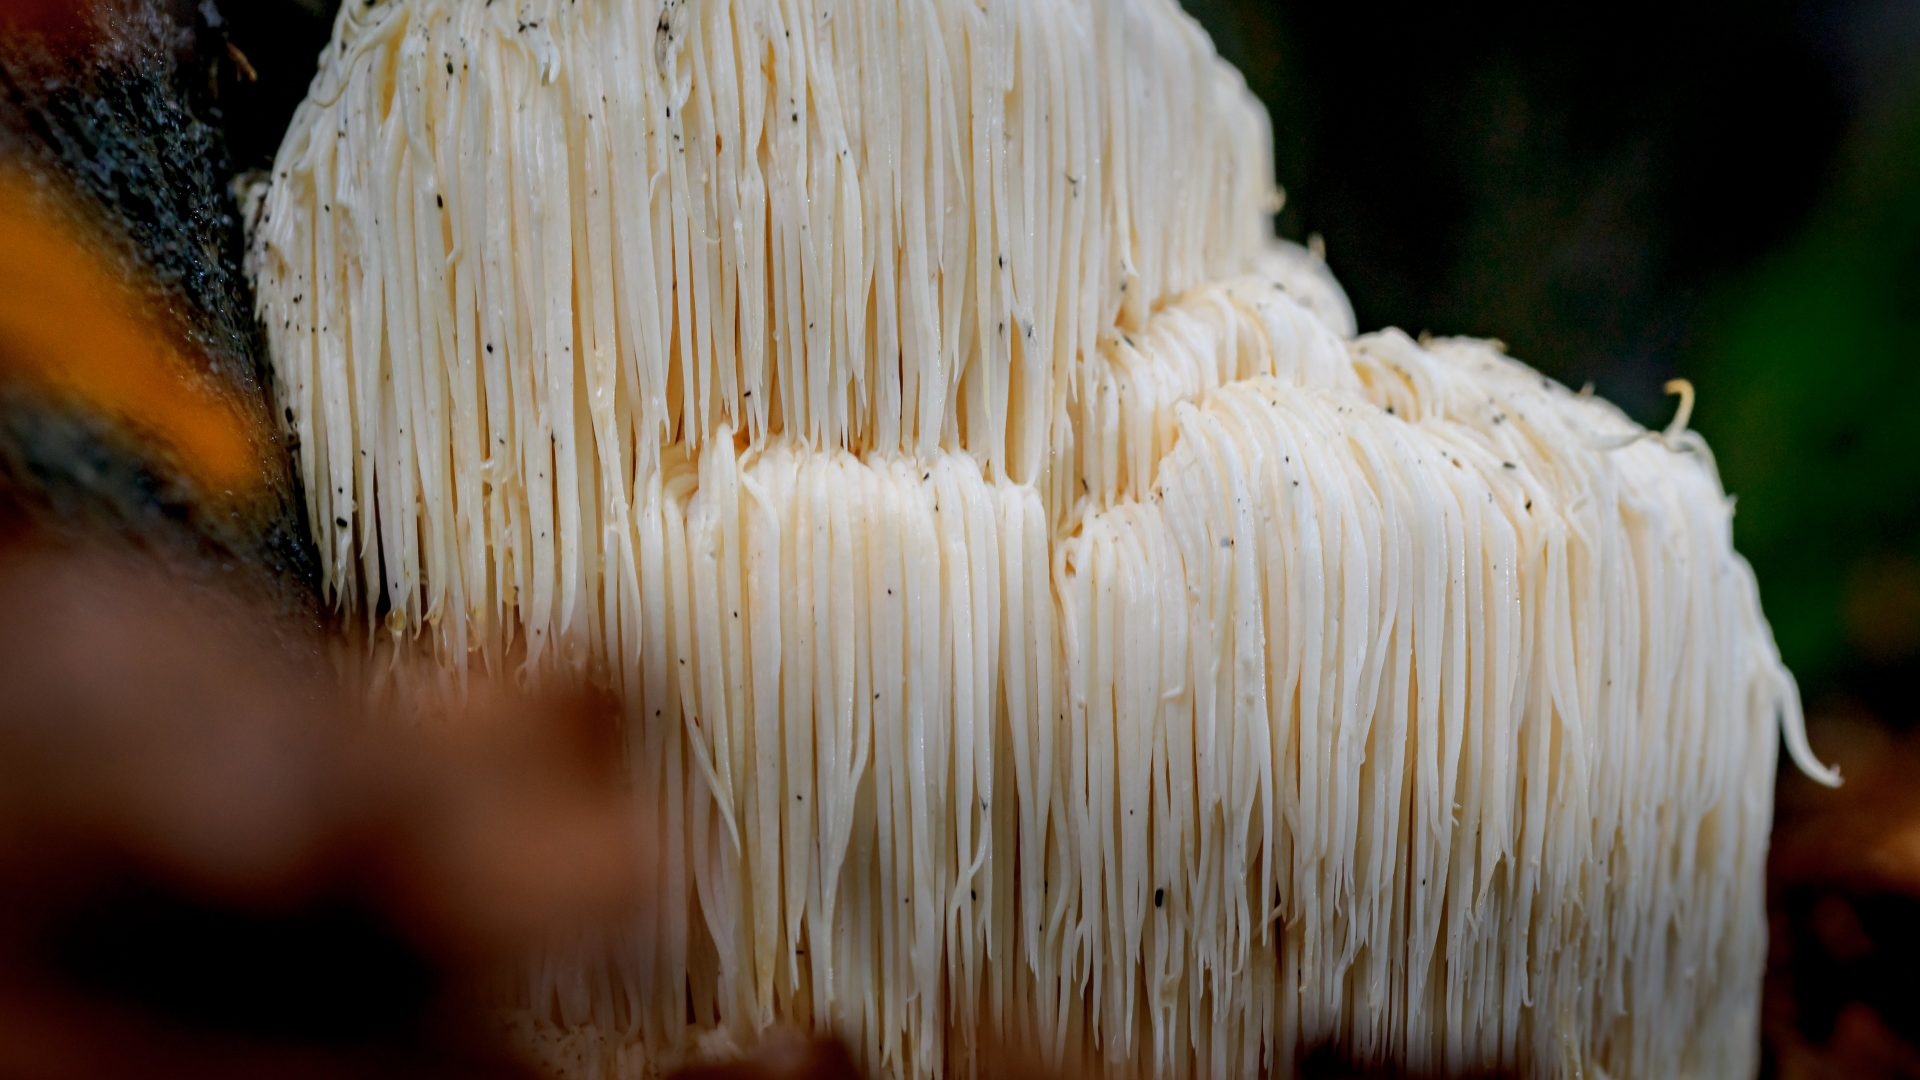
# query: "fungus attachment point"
{"type": "Point", "coordinates": [973, 502]}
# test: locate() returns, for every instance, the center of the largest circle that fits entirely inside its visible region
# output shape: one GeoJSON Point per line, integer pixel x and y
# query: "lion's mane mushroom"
{"type": "Point", "coordinates": [1041, 612]}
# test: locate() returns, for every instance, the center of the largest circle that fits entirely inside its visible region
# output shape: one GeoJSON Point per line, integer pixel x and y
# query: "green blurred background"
{"type": "Point", "coordinates": [1626, 193]}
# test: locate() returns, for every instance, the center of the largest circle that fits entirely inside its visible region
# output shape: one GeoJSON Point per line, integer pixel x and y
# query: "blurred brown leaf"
{"type": "Point", "coordinates": [217, 864]}
{"type": "Point", "coordinates": [1844, 898]}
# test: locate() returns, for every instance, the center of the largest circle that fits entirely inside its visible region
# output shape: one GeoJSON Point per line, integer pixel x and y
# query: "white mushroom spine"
{"type": "Point", "coordinates": [1037, 613]}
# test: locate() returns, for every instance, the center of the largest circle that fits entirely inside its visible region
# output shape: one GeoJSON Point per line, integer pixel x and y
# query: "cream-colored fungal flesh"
{"type": "Point", "coordinates": [1039, 616]}
{"type": "Point", "coordinates": [513, 249]}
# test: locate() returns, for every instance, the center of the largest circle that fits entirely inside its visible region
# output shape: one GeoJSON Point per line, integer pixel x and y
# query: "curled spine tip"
{"type": "Point", "coordinates": [1673, 436]}
{"type": "Point", "coordinates": [1803, 758]}
{"type": "Point", "coordinates": [1793, 728]}
{"type": "Point", "coordinates": [1684, 413]}
{"type": "Point", "coordinates": [1801, 751]}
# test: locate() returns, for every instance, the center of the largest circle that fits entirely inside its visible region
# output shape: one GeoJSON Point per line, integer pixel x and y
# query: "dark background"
{"type": "Point", "coordinates": [1625, 193]}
